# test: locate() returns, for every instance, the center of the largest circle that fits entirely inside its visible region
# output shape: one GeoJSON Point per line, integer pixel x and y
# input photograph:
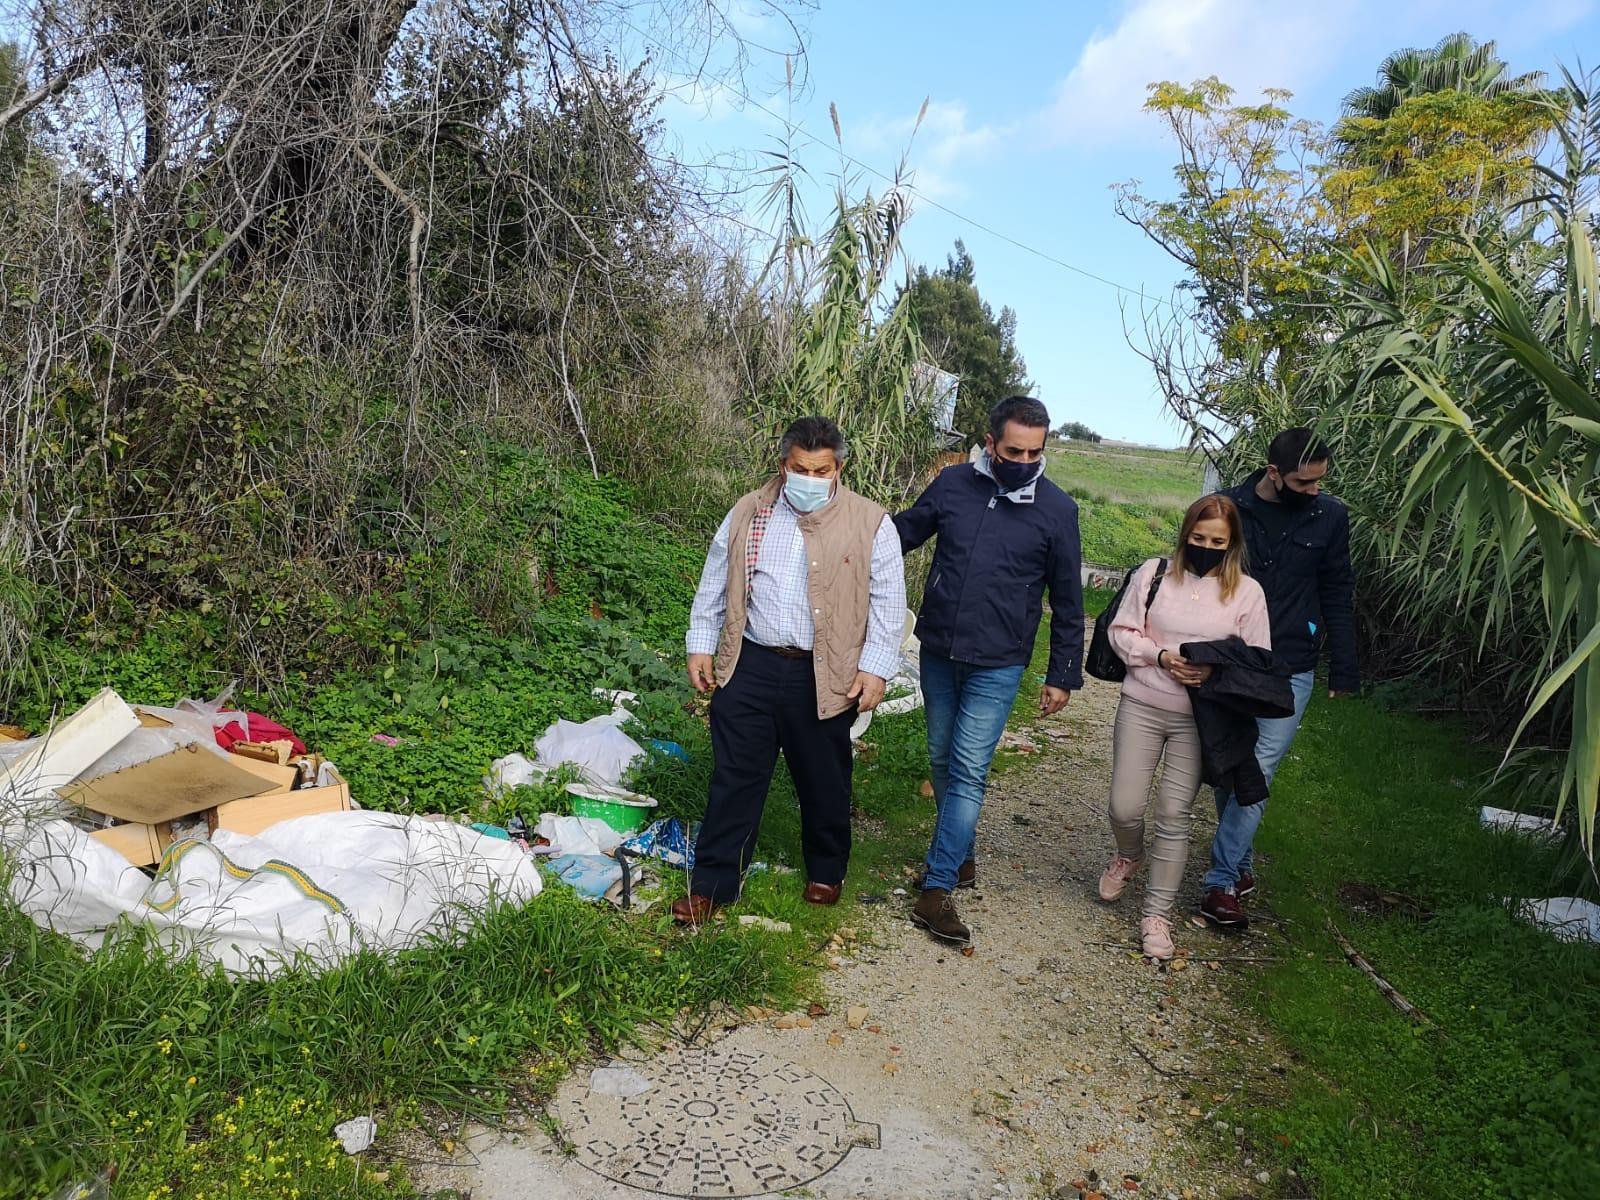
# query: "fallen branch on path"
{"type": "Point", "coordinates": [1390, 993]}
{"type": "Point", "coordinates": [1165, 1072]}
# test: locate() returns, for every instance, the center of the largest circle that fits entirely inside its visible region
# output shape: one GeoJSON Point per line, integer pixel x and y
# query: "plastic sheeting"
{"type": "Point", "coordinates": [597, 747]}
{"type": "Point", "coordinates": [1569, 918]}
{"type": "Point", "coordinates": [322, 887]}
{"type": "Point", "coordinates": [576, 835]}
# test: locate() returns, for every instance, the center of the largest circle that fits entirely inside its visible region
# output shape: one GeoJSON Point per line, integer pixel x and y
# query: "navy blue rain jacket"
{"type": "Point", "coordinates": [994, 560]}
{"type": "Point", "coordinates": [1308, 582]}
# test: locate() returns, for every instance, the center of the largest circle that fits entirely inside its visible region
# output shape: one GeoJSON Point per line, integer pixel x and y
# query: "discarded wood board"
{"type": "Point", "coordinates": [141, 844]}
{"type": "Point", "coordinates": [187, 780]}
{"type": "Point", "coordinates": [70, 747]}
{"type": "Point", "coordinates": [280, 778]}
{"type": "Point", "coordinates": [270, 752]}
{"type": "Point", "coordinates": [257, 813]}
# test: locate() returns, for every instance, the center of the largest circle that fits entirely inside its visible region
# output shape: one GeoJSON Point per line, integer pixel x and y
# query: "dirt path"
{"type": "Point", "coordinates": [1052, 1056]}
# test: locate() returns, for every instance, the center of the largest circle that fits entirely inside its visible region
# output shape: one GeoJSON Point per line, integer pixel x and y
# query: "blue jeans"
{"type": "Point", "coordinates": [1237, 824]}
{"type": "Point", "coordinates": [966, 707]}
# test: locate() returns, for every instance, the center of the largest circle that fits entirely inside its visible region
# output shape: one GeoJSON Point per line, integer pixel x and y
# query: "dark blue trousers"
{"type": "Point", "coordinates": [769, 705]}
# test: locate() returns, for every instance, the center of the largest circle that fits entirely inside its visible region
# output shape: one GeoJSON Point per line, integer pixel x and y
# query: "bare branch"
{"type": "Point", "coordinates": [60, 82]}
{"type": "Point", "coordinates": [419, 222]}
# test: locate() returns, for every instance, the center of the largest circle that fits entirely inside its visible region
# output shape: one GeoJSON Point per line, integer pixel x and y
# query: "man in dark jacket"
{"type": "Point", "coordinates": [1298, 538]}
{"type": "Point", "coordinates": [1006, 534]}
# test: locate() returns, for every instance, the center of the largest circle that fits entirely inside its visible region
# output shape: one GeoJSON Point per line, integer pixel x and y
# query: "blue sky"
{"type": "Point", "coordinates": [1034, 113]}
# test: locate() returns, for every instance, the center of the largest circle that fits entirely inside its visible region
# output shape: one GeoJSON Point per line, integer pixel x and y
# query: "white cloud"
{"type": "Point", "coordinates": [1249, 44]}
{"type": "Point", "coordinates": [944, 146]}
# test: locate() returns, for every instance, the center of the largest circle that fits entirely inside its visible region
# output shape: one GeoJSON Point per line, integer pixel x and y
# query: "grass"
{"type": "Point", "coordinates": [217, 1087]}
{"type": "Point", "coordinates": [1128, 474]}
{"type": "Point", "coordinates": [198, 1085]}
{"type": "Point", "coordinates": [1130, 499]}
{"type": "Point", "coordinates": [1497, 1095]}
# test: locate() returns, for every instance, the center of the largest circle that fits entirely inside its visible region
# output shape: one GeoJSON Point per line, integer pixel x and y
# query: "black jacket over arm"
{"type": "Point", "coordinates": [1246, 682]}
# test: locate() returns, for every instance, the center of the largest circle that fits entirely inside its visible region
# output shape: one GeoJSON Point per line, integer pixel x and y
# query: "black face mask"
{"type": "Point", "coordinates": [1202, 560]}
{"type": "Point", "coordinates": [1012, 475]}
{"type": "Point", "coordinates": [1290, 498]}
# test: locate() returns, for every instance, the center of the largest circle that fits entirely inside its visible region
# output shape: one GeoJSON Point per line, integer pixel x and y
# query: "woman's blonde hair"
{"type": "Point", "coordinates": [1234, 566]}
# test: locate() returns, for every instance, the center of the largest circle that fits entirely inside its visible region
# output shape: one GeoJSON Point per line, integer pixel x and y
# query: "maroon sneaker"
{"type": "Point", "coordinates": [1221, 907]}
{"type": "Point", "coordinates": [1246, 885]}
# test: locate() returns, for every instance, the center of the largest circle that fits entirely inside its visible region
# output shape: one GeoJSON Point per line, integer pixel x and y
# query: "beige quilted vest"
{"type": "Point", "coordinates": [838, 539]}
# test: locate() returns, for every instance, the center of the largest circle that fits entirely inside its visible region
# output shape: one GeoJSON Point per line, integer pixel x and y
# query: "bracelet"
{"type": "Point", "coordinates": [1159, 663]}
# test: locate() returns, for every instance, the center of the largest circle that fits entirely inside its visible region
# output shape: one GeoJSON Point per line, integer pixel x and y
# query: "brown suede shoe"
{"type": "Point", "coordinates": [694, 910]}
{"type": "Point", "coordinates": [935, 912]}
{"type": "Point", "coordinates": [823, 893]}
{"type": "Point", "coordinates": [966, 876]}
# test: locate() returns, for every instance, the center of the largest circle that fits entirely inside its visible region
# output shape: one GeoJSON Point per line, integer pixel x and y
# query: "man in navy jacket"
{"type": "Point", "coordinates": [1006, 534]}
{"type": "Point", "coordinates": [1298, 538]}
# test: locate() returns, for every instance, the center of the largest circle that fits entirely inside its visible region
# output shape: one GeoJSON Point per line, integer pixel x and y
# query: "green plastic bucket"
{"type": "Point", "coordinates": [626, 812]}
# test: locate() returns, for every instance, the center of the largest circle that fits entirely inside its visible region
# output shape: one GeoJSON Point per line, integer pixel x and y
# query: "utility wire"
{"type": "Point", "coordinates": [1140, 293]}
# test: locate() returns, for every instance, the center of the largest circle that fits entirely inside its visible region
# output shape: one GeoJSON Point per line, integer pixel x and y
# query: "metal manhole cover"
{"type": "Point", "coordinates": [715, 1122]}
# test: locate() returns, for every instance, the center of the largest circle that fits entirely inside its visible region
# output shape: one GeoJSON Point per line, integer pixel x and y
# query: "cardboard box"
{"type": "Point", "coordinates": [280, 778]}
{"type": "Point", "coordinates": [188, 780]}
{"type": "Point", "coordinates": [142, 845]}
{"type": "Point", "coordinates": [272, 752]}
{"type": "Point", "coordinates": [256, 813]}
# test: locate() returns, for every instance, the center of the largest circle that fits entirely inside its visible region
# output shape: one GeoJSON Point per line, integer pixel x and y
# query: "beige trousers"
{"type": "Point", "coordinates": [1142, 736]}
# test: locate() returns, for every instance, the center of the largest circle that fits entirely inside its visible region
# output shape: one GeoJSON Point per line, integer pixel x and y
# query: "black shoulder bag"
{"type": "Point", "coordinates": [1102, 661]}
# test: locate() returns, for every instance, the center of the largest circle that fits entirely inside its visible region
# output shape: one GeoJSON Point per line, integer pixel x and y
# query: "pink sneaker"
{"type": "Point", "coordinates": [1115, 878]}
{"type": "Point", "coordinates": [1156, 934]}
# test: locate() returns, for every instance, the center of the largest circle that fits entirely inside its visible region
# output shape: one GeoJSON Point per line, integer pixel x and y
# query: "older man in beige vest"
{"type": "Point", "coordinates": [797, 624]}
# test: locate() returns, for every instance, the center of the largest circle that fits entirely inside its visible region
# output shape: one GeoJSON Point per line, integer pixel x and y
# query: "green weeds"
{"type": "Point", "coordinates": [1130, 500]}
{"type": "Point", "coordinates": [1496, 1096]}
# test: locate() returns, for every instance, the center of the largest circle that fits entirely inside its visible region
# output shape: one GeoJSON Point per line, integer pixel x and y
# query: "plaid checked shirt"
{"type": "Point", "coordinates": [779, 612]}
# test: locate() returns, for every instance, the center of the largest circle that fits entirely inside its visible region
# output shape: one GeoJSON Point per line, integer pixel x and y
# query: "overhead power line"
{"type": "Point", "coordinates": [1046, 256]}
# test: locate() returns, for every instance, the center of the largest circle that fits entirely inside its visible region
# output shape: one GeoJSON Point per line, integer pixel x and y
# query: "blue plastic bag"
{"type": "Point", "coordinates": [668, 839]}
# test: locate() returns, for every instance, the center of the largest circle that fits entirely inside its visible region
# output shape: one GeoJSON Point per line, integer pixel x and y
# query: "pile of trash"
{"type": "Point", "coordinates": [221, 834]}
{"type": "Point", "coordinates": [218, 831]}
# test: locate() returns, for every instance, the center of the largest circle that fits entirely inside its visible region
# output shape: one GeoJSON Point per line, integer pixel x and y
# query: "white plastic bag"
{"type": "Point", "coordinates": [600, 751]}
{"type": "Point", "coordinates": [512, 771]}
{"type": "Point", "coordinates": [324, 886]}
{"type": "Point", "coordinates": [1570, 918]}
{"type": "Point", "coordinates": [576, 835]}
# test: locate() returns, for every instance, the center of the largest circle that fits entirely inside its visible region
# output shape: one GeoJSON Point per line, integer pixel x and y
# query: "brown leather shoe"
{"type": "Point", "coordinates": [935, 913]}
{"type": "Point", "coordinates": [823, 893]}
{"type": "Point", "coordinates": [694, 910]}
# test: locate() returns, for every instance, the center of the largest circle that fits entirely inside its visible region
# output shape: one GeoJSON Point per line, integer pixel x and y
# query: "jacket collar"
{"type": "Point", "coordinates": [1024, 494]}
{"type": "Point", "coordinates": [1244, 495]}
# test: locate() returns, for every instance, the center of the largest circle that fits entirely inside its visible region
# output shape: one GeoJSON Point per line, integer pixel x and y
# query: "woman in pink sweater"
{"type": "Point", "coordinates": [1206, 596]}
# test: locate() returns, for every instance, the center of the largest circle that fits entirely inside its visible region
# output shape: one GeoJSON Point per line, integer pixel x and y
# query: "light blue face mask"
{"type": "Point", "coordinates": [806, 493]}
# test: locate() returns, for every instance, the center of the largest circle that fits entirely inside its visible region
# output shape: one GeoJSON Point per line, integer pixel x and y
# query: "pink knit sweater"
{"type": "Point", "coordinates": [1190, 611]}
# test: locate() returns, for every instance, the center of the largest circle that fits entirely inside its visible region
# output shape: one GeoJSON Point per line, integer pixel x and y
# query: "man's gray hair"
{"type": "Point", "coordinates": [813, 433]}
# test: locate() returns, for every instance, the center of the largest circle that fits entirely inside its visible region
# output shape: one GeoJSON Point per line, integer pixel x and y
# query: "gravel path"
{"type": "Point", "coordinates": [1052, 1061]}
